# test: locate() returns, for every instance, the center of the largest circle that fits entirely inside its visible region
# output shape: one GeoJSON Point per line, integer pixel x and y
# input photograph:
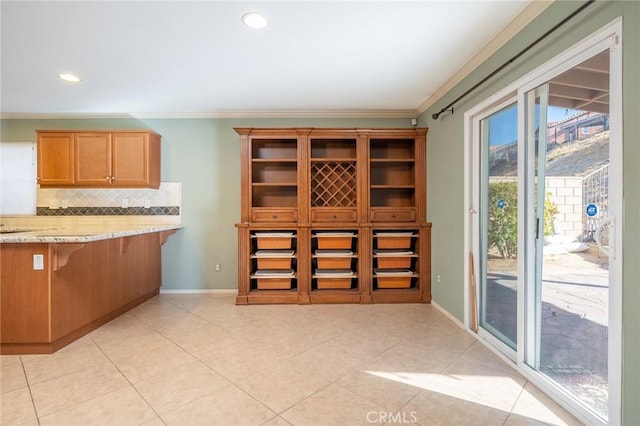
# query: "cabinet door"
{"type": "Point", "coordinates": [55, 159]}
{"type": "Point", "coordinates": [130, 159]}
{"type": "Point", "coordinates": [93, 159]}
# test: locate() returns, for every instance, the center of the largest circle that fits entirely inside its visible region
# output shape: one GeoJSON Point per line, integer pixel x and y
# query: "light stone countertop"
{"type": "Point", "coordinates": [77, 234]}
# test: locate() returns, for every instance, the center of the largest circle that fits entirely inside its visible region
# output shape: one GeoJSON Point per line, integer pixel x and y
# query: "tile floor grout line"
{"type": "Point", "coordinates": [304, 399]}
{"type": "Point", "coordinates": [342, 329]}
{"type": "Point", "coordinates": [274, 417]}
{"type": "Point", "coordinates": [256, 399]}
{"type": "Point", "coordinates": [68, 374]}
{"type": "Point", "coordinates": [26, 379]}
{"type": "Point", "coordinates": [198, 360]}
{"type": "Point", "coordinates": [128, 381]}
{"type": "Point", "coordinates": [515, 401]}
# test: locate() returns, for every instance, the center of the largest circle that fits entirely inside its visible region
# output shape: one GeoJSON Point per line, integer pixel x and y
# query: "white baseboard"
{"type": "Point", "coordinates": [203, 291]}
{"type": "Point", "coordinates": [446, 313]}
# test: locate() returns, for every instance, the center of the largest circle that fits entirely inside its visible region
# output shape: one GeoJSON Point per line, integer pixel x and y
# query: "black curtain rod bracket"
{"type": "Point", "coordinates": [449, 108]}
{"type": "Point", "coordinates": [435, 115]}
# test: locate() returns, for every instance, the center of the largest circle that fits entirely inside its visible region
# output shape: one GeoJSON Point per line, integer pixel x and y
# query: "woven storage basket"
{"type": "Point", "coordinates": [265, 243]}
{"type": "Point", "coordinates": [334, 262]}
{"type": "Point", "coordinates": [274, 263]}
{"type": "Point", "coordinates": [274, 283]}
{"type": "Point", "coordinates": [326, 242]}
{"type": "Point", "coordinates": [334, 283]}
{"type": "Point", "coordinates": [393, 262]}
{"type": "Point", "coordinates": [394, 242]}
{"type": "Point", "coordinates": [394, 282]}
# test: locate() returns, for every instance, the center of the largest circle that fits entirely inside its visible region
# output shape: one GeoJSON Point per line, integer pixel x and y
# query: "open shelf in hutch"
{"type": "Point", "coordinates": [274, 173]}
{"type": "Point", "coordinates": [393, 175]}
{"type": "Point", "coordinates": [336, 191]}
{"type": "Point", "coordinates": [394, 255]}
{"type": "Point", "coordinates": [273, 260]}
{"type": "Point", "coordinates": [334, 260]}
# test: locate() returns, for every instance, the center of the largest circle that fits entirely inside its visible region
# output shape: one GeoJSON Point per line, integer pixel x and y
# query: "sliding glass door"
{"type": "Point", "coordinates": [568, 200]}
{"type": "Point", "coordinates": [498, 260]}
{"type": "Point", "coordinates": [544, 227]}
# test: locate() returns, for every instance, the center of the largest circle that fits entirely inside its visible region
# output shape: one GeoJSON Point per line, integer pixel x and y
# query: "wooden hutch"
{"type": "Point", "coordinates": [333, 216]}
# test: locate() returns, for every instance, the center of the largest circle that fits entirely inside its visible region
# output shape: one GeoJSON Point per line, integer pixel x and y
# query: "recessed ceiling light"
{"type": "Point", "coordinates": [72, 78]}
{"type": "Point", "coordinates": [254, 20]}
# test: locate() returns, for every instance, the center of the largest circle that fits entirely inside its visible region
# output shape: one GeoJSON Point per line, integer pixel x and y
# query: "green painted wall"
{"type": "Point", "coordinates": [203, 154]}
{"type": "Point", "coordinates": [446, 167]}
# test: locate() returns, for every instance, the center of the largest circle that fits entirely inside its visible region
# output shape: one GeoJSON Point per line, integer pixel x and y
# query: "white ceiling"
{"type": "Point", "coordinates": [197, 58]}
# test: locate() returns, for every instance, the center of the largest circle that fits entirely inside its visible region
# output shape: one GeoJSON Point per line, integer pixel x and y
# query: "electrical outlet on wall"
{"type": "Point", "coordinates": [124, 203]}
{"type": "Point", "coordinates": [38, 262]}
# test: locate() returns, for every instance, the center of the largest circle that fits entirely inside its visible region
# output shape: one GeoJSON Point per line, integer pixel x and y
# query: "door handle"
{"type": "Point", "coordinates": [608, 250]}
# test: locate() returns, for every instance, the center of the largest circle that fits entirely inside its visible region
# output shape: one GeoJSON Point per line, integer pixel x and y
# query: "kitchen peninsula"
{"type": "Point", "coordinates": [60, 283]}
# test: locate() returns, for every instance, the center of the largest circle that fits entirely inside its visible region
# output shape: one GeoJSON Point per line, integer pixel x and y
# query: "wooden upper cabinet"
{"type": "Point", "coordinates": [126, 159]}
{"type": "Point", "coordinates": [93, 159]}
{"type": "Point", "coordinates": [333, 176]}
{"type": "Point", "coordinates": [55, 159]}
{"type": "Point", "coordinates": [136, 159]}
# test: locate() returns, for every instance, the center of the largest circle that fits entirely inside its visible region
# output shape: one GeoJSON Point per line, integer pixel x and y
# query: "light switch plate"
{"type": "Point", "coordinates": [38, 262]}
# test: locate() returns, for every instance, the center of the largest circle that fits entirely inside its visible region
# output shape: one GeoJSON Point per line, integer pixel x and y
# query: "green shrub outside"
{"type": "Point", "coordinates": [503, 217]}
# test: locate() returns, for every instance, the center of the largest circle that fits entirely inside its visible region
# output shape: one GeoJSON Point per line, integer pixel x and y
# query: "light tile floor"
{"type": "Point", "coordinates": [201, 360]}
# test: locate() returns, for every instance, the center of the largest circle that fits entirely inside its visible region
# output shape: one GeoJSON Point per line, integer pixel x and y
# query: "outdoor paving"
{"type": "Point", "coordinates": [574, 323]}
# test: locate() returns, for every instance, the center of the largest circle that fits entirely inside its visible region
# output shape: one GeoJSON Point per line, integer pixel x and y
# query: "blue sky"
{"type": "Point", "coordinates": [503, 125]}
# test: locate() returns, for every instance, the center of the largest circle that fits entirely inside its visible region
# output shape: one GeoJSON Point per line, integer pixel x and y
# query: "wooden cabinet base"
{"type": "Point", "coordinates": [49, 348]}
{"type": "Point", "coordinates": [370, 274]}
{"type": "Point", "coordinates": [79, 288]}
{"type": "Point", "coordinates": [350, 207]}
{"type": "Point", "coordinates": [328, 296]}
{"type": "Point", "coordinates": [399, 296]}
{"type": "Point", "coordinates": [276, 296]}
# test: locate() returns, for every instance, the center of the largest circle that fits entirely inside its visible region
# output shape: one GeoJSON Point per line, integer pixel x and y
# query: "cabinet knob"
{"type": "Point", "coordinates": [108, 178]}
{"type": "Point", "coordinates": [275, 216]}
{"type": "Point", "coordinates": [335, 216]}
{"type": "Point", "coordinates": [393, 215]}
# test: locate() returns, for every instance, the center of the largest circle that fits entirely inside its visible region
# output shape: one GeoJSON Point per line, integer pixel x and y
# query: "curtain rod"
{"type": "Point", "coordinates": [522, 52]}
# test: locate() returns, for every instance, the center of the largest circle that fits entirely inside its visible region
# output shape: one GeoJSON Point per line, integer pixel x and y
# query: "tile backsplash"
{"type": "Point", "coordinates": [122, 201]}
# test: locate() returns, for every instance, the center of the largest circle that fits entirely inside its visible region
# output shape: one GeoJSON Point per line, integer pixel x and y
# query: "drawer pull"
{"type": "Point", "coordinates": [275, 216]}
{"type": "Point", "coordinates": [335, 216]}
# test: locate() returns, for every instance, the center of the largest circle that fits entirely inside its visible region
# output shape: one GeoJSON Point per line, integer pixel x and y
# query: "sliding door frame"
{"type": "Point", "coordinates": [478, 228]}
{"type": "Point", "coordinates": [608, 37]}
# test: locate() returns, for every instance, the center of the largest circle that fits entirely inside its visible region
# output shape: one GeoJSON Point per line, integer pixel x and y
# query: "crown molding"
{"type": "Point", "coordinates": [535, 8]}
{"type": "Point", "coordinates": [401, 113]}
